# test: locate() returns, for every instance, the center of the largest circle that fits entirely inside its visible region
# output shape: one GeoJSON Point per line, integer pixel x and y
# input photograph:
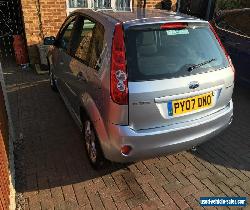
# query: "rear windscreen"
{"type": "Point", "coordinates": [154, 53]}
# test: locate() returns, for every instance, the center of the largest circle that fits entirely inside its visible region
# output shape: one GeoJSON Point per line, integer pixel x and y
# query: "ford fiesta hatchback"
{"type": "Point", "coordinates": [141, 84]}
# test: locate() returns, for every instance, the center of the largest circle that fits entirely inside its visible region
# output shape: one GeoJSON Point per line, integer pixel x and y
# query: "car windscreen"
{"type": "Point", "coordinates": [154, 53]}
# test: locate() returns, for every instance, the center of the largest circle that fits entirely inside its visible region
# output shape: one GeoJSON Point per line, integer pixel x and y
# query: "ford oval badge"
{"type": "Point", "coordinates": [193, 85]}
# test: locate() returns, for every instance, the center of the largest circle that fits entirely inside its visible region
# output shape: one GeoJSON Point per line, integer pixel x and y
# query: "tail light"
{"type": "Point", "coordinates": [174, 26]}
{"type": "Point", "coordinates": [222, 46]}
{"type": "Point", "coordinates": [119, 76]}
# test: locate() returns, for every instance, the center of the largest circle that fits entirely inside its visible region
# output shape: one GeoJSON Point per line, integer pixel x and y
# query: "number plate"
{"type": "Point", "coordinates": [183, 106]}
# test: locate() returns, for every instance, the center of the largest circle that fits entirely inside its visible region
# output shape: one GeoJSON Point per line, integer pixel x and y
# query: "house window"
{"type": "Point", "coordinates": [78, 3]}
{"type": "Point", "coordinates": [115, 4]}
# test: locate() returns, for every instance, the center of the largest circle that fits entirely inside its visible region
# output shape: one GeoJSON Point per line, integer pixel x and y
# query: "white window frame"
{"type": "Point", "coordinates": [90, 5]}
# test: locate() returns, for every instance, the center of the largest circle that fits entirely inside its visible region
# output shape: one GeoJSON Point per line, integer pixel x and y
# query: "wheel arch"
{"type": "Point", "coordinates": [88, 109]}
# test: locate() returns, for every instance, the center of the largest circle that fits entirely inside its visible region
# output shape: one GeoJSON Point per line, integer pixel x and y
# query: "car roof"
{"type": "Point", "coordinates": [138, 15]}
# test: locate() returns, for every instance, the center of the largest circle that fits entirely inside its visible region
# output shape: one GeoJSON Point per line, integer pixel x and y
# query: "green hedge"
{"type": "Point", "coordinates": [232, 4]}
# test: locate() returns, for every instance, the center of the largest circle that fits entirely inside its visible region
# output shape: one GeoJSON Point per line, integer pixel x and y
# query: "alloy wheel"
{"type": "Point", "coordinates": [90, 141]}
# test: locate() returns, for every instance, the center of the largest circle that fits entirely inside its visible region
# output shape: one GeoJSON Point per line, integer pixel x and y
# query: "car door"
{"type": "Point", "coordinates": [86, 48]}
{"type": "Point", "coordinates": [62, 57]}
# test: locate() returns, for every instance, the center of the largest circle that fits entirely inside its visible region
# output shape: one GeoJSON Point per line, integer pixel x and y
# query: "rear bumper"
{"type": "Point", "coordinates": [165, 140]}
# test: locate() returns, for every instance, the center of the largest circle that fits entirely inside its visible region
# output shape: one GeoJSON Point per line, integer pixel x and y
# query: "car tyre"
{"type": "Point", "coordinates": [92, 145]}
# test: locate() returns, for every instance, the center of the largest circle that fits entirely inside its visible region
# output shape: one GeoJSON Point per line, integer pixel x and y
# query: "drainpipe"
{"type": "Point", "coordinates": [208, 9]}
{"type": "Point", "coordinates": [178, 5]}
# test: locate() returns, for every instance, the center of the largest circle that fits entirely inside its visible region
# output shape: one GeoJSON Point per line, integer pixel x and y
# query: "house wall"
{"type": "Point", "coordinates": [52, 15]}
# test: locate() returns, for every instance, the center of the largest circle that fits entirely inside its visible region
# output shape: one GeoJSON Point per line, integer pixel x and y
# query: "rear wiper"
{"type": "Point", "coordinates": [191, 68]}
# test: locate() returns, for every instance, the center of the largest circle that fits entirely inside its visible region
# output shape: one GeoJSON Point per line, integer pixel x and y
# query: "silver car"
{"type": "Point", "coordinates": [141, 84]}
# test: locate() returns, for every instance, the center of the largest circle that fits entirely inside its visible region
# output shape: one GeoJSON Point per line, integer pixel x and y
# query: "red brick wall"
{"type": "Point", "coordinates": [53, 13]}
{"type": "Point", "coordinates": [4, 170]}
{"type": "Point", "coordinates": [154, 3]}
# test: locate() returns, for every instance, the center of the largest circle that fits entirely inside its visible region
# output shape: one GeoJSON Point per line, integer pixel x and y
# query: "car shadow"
{"type": "Point", "coordinates": [49, 150]}
{"type": "Point", "coordinates": [231, 148]}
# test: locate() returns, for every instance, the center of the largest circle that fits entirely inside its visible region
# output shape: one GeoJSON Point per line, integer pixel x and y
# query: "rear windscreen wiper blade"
{"type": "Point", "coordinates": [191, 68]}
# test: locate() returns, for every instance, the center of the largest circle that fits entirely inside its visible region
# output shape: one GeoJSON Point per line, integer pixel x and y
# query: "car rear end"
{"type": "Point", "coordinates": [174, 80]}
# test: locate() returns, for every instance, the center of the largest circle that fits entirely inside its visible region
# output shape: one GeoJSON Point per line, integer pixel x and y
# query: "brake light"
{"type": "Point", "coordinates": [224, 49]}
{"type": "Point", "coordinates": [174, 26]}
{"type": "Point", "coordinates": [119, 77]}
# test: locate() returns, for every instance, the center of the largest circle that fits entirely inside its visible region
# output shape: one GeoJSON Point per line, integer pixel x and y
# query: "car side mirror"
{"type": "Point", "coordinates": [49, 40]}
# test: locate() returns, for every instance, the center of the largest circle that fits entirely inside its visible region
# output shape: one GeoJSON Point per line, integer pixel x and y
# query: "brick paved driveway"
{"type": "Point", "coordinates": [53, 172]}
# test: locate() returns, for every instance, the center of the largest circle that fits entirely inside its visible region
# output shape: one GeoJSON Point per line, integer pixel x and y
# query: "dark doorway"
{"type": "Point", "coordinates": [11, 23]}
{"type": "Point", "coordinates": [203, 9]}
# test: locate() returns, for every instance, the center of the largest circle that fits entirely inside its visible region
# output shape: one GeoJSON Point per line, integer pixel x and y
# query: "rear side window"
{"type": "Point", "coordinates": [81, 42]}
{"type": "Point", "coordinates": [154, 53]}
{"type": "Point", "coordinates": [96, 46]}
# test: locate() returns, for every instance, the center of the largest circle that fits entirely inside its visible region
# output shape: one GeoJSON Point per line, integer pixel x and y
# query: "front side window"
{"type": "Point", "coordinates": [65, 35]}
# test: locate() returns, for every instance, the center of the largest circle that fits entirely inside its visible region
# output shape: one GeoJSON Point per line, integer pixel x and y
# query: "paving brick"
{"type": "Point", "coordinates": [137, 208]}
{"type": "Point", "coordinates": [181, 178]}
{"type": "Point", "coordinates": [192, 202]}
{"type": "Point", "coordinates": [163, 163]}
{"type": "Point", "coordinates": [69, 193]}
{"type": "Point", "coordinates": [212, 187]}
{"type": "Point", "coordinates": [122, 205]}
{"type": "Point", "coordinates": [136, 200]}
{"type": "Point", "coordinates": [196, 182]}
{"type": "Point", "coordinates": [145, 179]}
{"type": "Point", "coordinates": [240, 192]}
{"type": "Point", "coordinates": [173, 186]}
{"type": "Point", "coordinates": [240, 175]}
{"type": "Point", "coordinates": [86, 207]}
{"type": "Point", "coordinates": [120, 182]}
{"type": "Point", "coordinates": [158, 202]}
{"type": "Point", "coordinates": [173, 159]}
{"type": "Point", "coordinates": [183, 160]}
{"type": "Point", "coordinates": [135, 187]}
{"type": "Point", "coordinates": [226, 189]}
{"type": "Point", "coordinates": [187, 190]}
{"type": "Point", "coordinates": [168, 175]}
{"type": "Point", "coordinates": [109, 181]}
{"type": "Point", "coordinates": [217, 178]}
{"type": "Point", "coordinates": [176, 167]}
{"type": "Point", "coordinates": [142, 168]}
{"type": "Point", "coordinates": [108, 202]}
{"type": "Point", "coordinates": [189, 171]}
{"type": "Point", "coordinates": [180, 202]}
{"type": "Point", "coordinates": [81, 195]}
{"type": "Point", "coordinates": [57, 194]}
{"type": "Point", "coordinates": [245, 186]}
{"type": "Point", "coordinates": [233, 181]}
{"type": "Point", "coordinates": [157, 174]}
{"type": "Point", "coordinates": [147, 205]}
{"type": "Point", "coordinates": [123, 195]}
{"type": "Point", "coordinates": [148, 190]}
{"type": "Point", "coordinates": [47, 204]}
{"type": "Point", "coordinates": [203, 193]}
{"type": "Point", "coordinates": [95, 201]}
{"type": "Point", "coordinates": [203, 174]}
{"type": "Point", "coordinates": [162, 194]}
